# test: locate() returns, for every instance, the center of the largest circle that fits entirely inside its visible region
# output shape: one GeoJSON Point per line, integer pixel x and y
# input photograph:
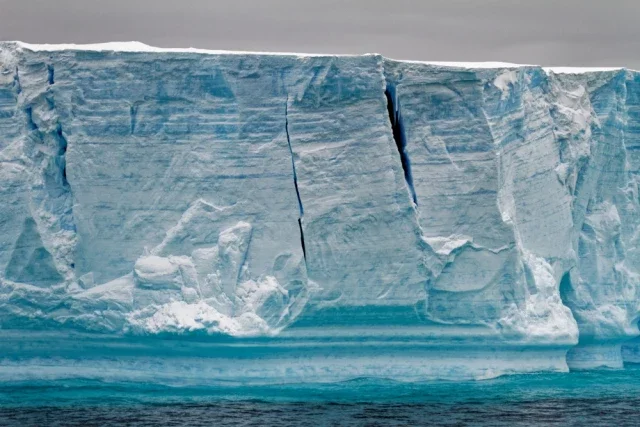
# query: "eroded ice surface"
{"type": "Point", "coordinates": [269, 217]}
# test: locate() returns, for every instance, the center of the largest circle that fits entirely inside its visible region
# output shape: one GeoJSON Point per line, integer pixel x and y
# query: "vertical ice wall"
{"type": "Point", "coordinates": [534, 171]}
{"type": "Point", "coordinates": [602, 288]}
{"type": "Point", "coordinates": [483, 158]}
{"type": "Point", "coordinates": [295, 197]}
{"type": "Point", "coordinates": [364, 248]}
{"type": "Point", "coordinates": [226, 186]}
{"type": "Point", "coordinates": [37, 226]}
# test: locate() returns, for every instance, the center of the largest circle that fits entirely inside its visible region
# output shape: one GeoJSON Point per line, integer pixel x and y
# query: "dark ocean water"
{"type": "Point", "coordinates": [596, 398]}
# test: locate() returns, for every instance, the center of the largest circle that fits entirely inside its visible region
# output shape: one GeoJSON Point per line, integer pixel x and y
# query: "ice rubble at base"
{"type": "Point", "coordinates": [339, 216]}
{"type": "Point", "coordinates": [204, 291]}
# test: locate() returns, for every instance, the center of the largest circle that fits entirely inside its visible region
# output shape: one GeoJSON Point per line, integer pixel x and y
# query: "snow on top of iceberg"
{"type": "Point", "coordinates": [580, 70]}
{"type": "Point", "coordinates": [134, 46]}
{"type": "Point", "coordinates": [467, 64]}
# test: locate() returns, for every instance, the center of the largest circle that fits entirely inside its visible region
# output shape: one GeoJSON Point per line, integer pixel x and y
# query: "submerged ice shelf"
{"type": "Point", "coordinates": [182, 214]}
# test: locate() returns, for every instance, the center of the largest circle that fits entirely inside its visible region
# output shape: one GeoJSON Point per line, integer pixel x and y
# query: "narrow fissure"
{"type": "Point", "coordinates": [50, 74]}
{"type": "Point", "coordinates": [133, 114]}
{"type": "Point", "coordinates": [400, 138]}
{"type": "Point", "coordinates": [295, 179]}
{"type": "Point", "coordinates": [304, 249]}
{"type": "Point", "coordinates": [62, 154]}
{"type": "Point", "coordinates": [566, 290]}
{"type": "Point", "coordinates": [30, 123]}
{"type": "Point", "coordinates": [16, 82]}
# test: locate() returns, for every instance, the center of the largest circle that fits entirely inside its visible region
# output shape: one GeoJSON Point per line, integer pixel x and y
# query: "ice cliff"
{"type": "Point", "coordinates": [265, 217]}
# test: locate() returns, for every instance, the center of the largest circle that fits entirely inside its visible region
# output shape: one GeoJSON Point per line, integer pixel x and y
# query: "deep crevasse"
{"type": "Point", "coordinates": [152, 193]}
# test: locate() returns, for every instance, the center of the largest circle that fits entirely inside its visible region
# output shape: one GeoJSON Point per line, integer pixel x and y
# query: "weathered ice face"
{"type": "Point", "coordinates": [341, 216]}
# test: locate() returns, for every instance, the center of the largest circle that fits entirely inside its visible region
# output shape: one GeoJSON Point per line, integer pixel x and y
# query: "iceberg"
{"type": "Point", "coordinates": [182, 215]}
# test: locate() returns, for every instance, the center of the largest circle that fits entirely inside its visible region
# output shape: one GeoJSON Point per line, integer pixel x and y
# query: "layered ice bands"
{"type": "Point", "coordinates": [183, 215]}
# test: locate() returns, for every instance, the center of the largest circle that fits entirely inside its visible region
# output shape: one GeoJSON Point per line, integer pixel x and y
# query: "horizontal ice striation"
{"type": "Point", "coordinates": [207, 216]}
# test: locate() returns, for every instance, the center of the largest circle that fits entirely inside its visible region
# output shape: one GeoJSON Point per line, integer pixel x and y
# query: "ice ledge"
{"type": "Point", "coordinates": [134, 46]}
{"type": "Point", "coordinates": [38, 355]}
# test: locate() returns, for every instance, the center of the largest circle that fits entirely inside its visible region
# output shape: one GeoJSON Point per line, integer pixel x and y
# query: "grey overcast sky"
{"type": "Point", "coordinates": [546, 32]}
